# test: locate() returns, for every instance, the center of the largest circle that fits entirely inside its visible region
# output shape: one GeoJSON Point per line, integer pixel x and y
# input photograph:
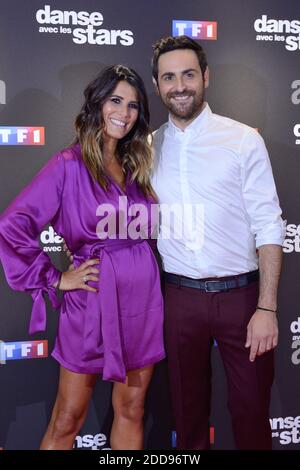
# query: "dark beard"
{"type": "Point", "coordinates": [186, 113]}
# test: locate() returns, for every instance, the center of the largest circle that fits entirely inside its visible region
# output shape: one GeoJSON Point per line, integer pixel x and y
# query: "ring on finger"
{"type": "Point", "coordinates": [85, 278]}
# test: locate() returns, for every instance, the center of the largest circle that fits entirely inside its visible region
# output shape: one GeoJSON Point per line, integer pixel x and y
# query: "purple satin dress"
{"type": "Point", "coordinates": [119, 328]}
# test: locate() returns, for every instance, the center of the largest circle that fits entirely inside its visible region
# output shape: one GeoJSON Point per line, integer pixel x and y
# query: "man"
{"type": "Point", "coordinates": [221, 278]}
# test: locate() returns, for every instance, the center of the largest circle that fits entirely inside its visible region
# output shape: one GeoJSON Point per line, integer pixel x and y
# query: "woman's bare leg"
{"type": "Point", "coordinates": [128, 403]}
{"type": "Point", "coordinates": [69, 412]}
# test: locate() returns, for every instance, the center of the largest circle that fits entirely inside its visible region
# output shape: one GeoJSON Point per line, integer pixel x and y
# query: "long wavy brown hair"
{"type": "Point", "coordinates": [134, 149]}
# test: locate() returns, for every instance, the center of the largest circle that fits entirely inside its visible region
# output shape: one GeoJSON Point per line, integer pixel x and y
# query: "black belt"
{"type": "Point", "coordinates": [213, 285]}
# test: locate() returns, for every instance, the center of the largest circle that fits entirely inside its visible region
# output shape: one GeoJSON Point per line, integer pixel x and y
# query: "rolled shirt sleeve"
{"type": "Point", "coordinates": [259, 192]}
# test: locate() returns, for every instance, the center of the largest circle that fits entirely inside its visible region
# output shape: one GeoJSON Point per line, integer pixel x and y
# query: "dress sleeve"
{"type": "Point", "coordinates": [26, 266]}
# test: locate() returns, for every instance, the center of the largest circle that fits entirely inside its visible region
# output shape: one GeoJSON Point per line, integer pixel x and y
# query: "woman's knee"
{"type": "Point", "coordinates": [66, 421]}
{"type": "Point", "coordinates": [130, 407]}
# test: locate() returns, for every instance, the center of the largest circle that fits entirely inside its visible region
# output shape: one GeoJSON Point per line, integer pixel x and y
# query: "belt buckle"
{"type": "Point", "coordinates": [210, 290]}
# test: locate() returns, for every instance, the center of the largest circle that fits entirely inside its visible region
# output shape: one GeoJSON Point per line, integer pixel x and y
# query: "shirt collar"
{"type": "Point", "coordinates": [195, 127]}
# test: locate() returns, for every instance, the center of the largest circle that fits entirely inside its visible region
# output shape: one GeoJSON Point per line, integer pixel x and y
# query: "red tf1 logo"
{"type": "Point", "coordinates": [195, 29]}
{"type": "Point", "coordinates": [22, 135]}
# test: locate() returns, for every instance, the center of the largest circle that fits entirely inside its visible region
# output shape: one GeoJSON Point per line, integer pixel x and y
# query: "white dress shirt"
{"type": "Point", "coordinates": [217, 194]}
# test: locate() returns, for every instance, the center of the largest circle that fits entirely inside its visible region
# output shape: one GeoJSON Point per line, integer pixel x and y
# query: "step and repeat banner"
{"type": "Point", "coordinates": [49, 51]}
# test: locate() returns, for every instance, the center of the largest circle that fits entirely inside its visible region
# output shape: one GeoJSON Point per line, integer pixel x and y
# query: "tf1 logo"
{"type": "Point", "coordinates": [23, 350]}
{"type": "Point", "coordinates": [22, 135]}
{"type": "Point", "coordinates": [195, 29]}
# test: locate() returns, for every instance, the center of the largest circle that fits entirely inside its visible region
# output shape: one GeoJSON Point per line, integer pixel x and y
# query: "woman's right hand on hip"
{"type": "Point", "coordinates": [79, 277]}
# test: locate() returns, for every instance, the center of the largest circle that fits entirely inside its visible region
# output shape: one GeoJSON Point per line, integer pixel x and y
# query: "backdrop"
{"type": "Point", "coordinates": [48, 53]}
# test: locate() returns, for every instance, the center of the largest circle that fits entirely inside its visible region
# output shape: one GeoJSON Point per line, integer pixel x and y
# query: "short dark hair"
{"type": "Point", "coordinates": [171, 43]}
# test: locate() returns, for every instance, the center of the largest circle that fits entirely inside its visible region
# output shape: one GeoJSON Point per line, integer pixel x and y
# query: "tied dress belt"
{"type": "Point", "coordinates": [213, 285]}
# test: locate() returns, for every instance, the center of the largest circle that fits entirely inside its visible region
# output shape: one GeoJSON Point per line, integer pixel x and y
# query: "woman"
{"type": "Point", "coordinates": [111, 315]}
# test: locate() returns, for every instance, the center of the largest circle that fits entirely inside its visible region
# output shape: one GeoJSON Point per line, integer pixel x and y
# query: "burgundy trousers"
{"type": "Point", "coordinates": [193, 318]}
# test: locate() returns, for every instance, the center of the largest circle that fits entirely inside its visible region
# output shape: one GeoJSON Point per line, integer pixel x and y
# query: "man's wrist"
{"type": "Point", "coordinates": [266, 309]}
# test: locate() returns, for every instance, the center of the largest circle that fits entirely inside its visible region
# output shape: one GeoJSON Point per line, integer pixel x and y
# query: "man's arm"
{"type": "Point", "coordinates": [262, 330]}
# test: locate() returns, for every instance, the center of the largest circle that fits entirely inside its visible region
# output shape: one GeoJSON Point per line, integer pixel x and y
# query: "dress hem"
{"type": "Point", "coordinates": [99, 370]}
